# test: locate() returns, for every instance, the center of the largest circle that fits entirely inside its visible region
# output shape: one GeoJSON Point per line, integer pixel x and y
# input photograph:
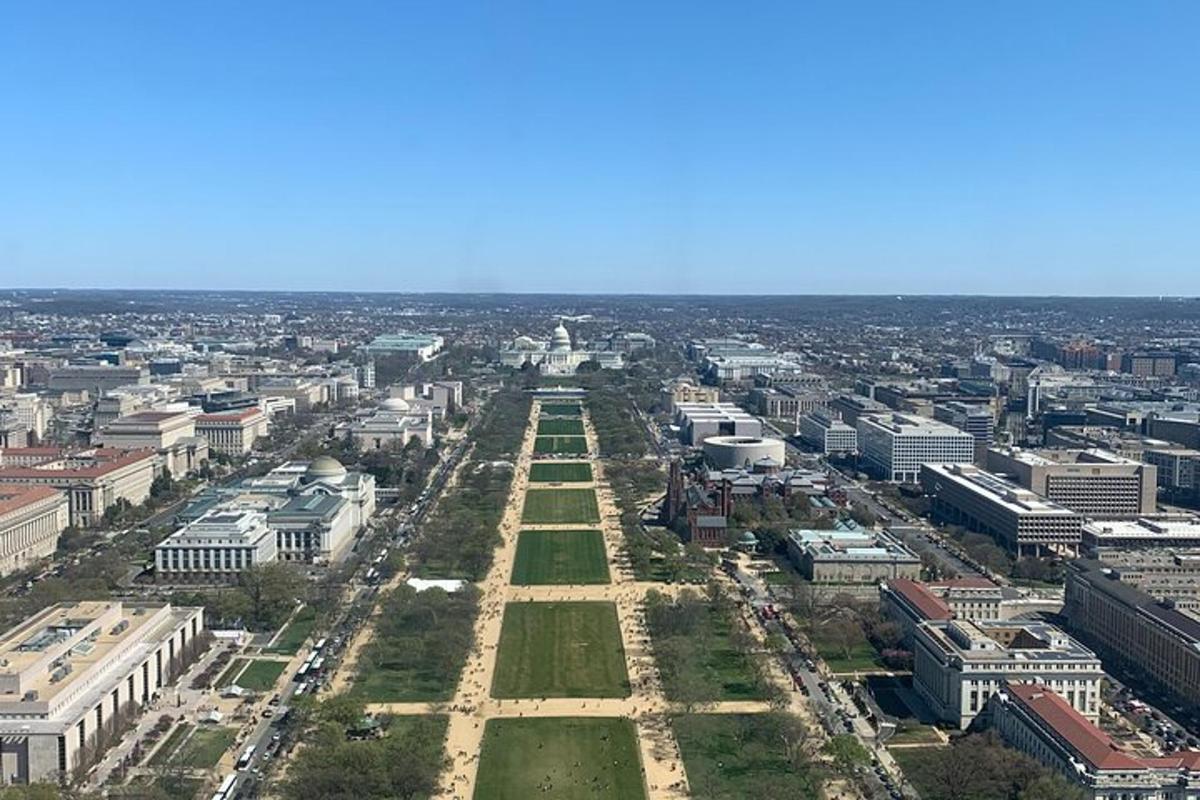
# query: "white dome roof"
{"type": "Point", "coordinates": [561, 339]}
{"type": "Point", "coordinates": [324, 467]}
{"type": "Point", "coordinates": [395, 404]}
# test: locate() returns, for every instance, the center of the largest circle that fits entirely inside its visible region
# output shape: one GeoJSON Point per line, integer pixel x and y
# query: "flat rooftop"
{"type": "Point", "coordinates": [54, 651]}
{"type": "Point", "coordinates": [993, 488]}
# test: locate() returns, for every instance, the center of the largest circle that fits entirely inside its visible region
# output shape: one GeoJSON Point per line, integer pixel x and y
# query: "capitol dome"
{"type": "Point", "coordinates": [561, 339]}
{"type": "Point", "coordinates": [323, 467]}
{"type": "Point", "coordinates": [394, 404]}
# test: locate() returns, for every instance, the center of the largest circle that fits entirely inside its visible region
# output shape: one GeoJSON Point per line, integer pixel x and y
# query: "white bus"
{"type": "Point", "coordinates": [319, 645]}
{"type": "Point", "coordinates": [246, 757]}
{"type": "Point", "coordinates": [225, 790]}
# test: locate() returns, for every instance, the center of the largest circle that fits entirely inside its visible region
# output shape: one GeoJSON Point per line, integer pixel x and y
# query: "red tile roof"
{"type": "Point", "coordinates": [1089, 742]}
{"type": "Point", "coordinates": [17, 496]}
{"type": "Point", "coordinates": [107, 459]}
{"type": "Point", "coordinates": [928, 604]}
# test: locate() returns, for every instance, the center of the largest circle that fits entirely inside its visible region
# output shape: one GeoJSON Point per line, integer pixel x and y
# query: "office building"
{"type": "Point", "coordinates": [786, 402]}
{"type": "Point", "coordinates": [977, 420]}
{"type": "Point", "coordinates": [420, 345]}
{"type": "Point", "coordinates": [31, 519]}
{"type": "Point", "coordinates": [96, 379]}
{"type": "Point", "coordinates": [827, 433]}
{"type": "Point", "coordinates": [1093, 482]}
{"type": "Point", "coordinates": [233, 433]}
{"type": "Point", "coordinates": [850, 554]}
{"type": "Point", "coordinates": [215, 548]}
{"type": "Point", "coordinates": [75, 671]}
{"type": "Point", "coordinates": [1103, 536]}
{"type": "Point", "coordinates": [894, 446]}
{"type": "Point", "coordinates": [849, 407]}
{"type": "Point", "coordinates": [93, 480]}
{"type": "Point", "coordinates": [1133, 630]}
{"type": "Point", "coordinates": [1037, 721]}
{"type": "Point", "coordinates": [1021, 521]}
{"type": "Point", "coordinates": [171, 434]}
{"type": "Point", "coordinates": [958, 664]}
{"type": "Point", "coordinates": [685, 391]}
{"type": "Point", "coordinates": [1178, 471]}
{"type": "Point", "coordinates": [698, 421]}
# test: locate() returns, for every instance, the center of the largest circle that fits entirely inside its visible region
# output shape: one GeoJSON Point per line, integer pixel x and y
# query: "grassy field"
{"type": "Point", "coordinates": [734, 756]}
{"type": "Point", "coordinates": [915, 763]}
{"type": "Point", "coordinates": [560, 506]}
{"type": "Point", "coordinates": [560, 557]}
{"type": "Point", "coordinates": [560, 650]}
{"type": "Point", "coordinates": [728, 671]}
{"type": "Point", "coordinates": [555, 445]}
{"type": "Point", "coordinates": [565, 758]}
{"type": "Point", "coordinates": [560, 472]}
{"type": "Point", "coordinates": [178, 734]}
{"type": "Point", "coordinates": [296, 632]}
{"type": "Point", "coordinates": [205, 747]}
{"type": "Point", "coordinates": [231, 672]}
{"type": "Point", "coordinates": [562, 410]}
{"type": "Point", "coordinates": [862, 656]}
{"type": "Point", "coordinates": [560, 427]}
{"type": "Point", "coordinates": [260, 676]}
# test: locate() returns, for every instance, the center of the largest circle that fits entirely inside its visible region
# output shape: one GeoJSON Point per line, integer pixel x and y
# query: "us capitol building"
{"type": "Point", "coordinates": [557, 356]}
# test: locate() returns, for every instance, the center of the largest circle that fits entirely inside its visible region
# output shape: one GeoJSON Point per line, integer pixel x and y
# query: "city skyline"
{"type": "Point", "coordinates": [1015, 151]}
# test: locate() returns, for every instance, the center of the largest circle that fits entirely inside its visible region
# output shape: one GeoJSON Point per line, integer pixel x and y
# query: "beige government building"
{"type": "Point", "coordinates": [31, 519]}
{"type": "Point", "coordinates": [71, 673]}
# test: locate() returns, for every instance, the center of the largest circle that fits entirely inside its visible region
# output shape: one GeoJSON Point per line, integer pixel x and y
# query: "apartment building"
{"type": "Point", "coordinates": [1094, 482]}
{"type": "Point", "coordinates": [1025, 523]}
{"type": "Point", "coordinates": [75, 671]}
{"type": "Point", "coordinates": [959, 664]}
{"type": "Point", "coordinates": [894, 446]}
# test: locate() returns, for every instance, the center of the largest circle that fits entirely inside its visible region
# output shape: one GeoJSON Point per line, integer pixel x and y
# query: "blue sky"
{"type": "Point", "coordinates": [956, 147]}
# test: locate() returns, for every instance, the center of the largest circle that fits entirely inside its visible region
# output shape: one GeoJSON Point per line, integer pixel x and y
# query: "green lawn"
{"type": "Point", "coordinates": [734, 756]}
{"type": "Point", "coordinates": [260, 676]}
{"type": "Point", "coordinates": [560, 472]}
{"type": "Point", "coordinates": [205, 747]}
{"type": "Point", "coordinates": [560, 557]}
{"type": "Point", "coordinates": [560, 650]}
{"type": "Point", "coordinates": [562, 410]}
{"type": "Point", "coordinates": [704, 661]}
{"type": "Point", "coordinates": [178, 734]}
{"type": "Point", "coordinates": [862, 656]}
{"type": "Point", "coordinates": [560, 445]}
{"type": "Point", "coordinates": [560, 427]}
{"type": "Point", "coordinates": [231, 672]}
{"type": "Point", "coordinates": [564, 758]}
{"type": "Point", "coordinates": [296, 632]}
{"type": "Point", "coordinates": [560, 507]}
{"type": "Point", "coordinates": [915, 764]}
